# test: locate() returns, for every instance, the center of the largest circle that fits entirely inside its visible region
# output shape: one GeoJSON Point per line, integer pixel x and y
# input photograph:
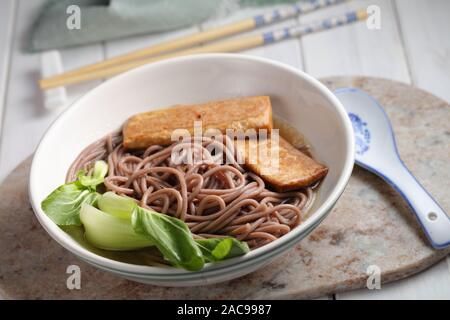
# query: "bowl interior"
{"type": "Point", "coordinates": [295, 97]}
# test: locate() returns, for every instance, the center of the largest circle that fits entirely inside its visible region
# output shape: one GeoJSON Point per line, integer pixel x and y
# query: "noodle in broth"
{"type": "Point", "coordinates": [215, 200]}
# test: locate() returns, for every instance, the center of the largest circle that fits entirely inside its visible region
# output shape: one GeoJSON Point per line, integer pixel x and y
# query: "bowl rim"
{"type": "Point", "coordinates": [255, 255]}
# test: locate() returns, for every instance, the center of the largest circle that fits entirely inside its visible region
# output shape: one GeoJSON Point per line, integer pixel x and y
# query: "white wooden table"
{"type": "Point", "coordinates": [412, 46]}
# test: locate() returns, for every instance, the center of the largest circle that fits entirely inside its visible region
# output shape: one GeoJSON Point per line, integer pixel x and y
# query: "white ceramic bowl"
{"type": "Point", "coordinates": [296, 97]}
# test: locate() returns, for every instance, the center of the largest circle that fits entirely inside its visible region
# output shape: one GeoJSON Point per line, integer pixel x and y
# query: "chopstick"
{"type": "Point", "coordinates": [233, 45]}
{"type": "Point", "coordinates": [208, 35]}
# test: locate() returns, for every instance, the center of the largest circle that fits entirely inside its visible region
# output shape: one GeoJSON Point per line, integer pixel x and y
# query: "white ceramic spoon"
{"type": "Point", "coordinates": [377, 152]}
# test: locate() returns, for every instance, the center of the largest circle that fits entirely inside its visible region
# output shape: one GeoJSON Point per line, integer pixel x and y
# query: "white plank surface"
{"type": "Point", "coordinates": [24, 118]}
{"type": "Point", "coordinates": [8, 10]}
{"type": "Point", "coordinates": [424, 26]}
{"type": "Point", "coordinates": [354, 49]}
{"type": "Point", "coordinates": [412, 46]}
{"type": "Point", "coordinates": [426, 31]}
{"type": "Point", "coordinates": [426, 39]}
{"type": "Point", "coordinates": [76, 57]}
{"type": "Point", "coordinates": [430, 284]}
{"type": "Point", "coordinates": [121, 46]}
{"type": "Point", "coordinates": [288, 51]}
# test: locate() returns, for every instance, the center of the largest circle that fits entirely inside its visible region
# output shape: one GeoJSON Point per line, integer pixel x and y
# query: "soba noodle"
{"type": "Point", "coordinates": [215, 200]}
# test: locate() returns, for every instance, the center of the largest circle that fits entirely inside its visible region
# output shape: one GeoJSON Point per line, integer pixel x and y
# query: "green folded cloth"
{"type": "Point", "coordinates": [102, 20]}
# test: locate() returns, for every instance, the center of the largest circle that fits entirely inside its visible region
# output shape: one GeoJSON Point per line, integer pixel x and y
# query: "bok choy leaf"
{"type": "Point", "coordinates": [171, 236]}
{"type": "Point", "coordinates": [217, 249]}
{"type": "Point", "coordinates": [98, 174]}
{"type": "Point", "coordinates": [108, 232]}
{"type": "Point", "coordinates": [118, 206]}
{"type": "Point", "coordinates": [114, 222]}
{"type": "Point", "coordinates": [64, 203]}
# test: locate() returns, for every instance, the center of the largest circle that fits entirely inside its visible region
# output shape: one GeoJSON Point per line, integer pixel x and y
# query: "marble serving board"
{"type": "Point", "coordinates": [370, 226]}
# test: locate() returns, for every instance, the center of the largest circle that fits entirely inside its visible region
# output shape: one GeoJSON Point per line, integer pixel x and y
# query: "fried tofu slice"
{"type": "Point", "coordinates": [156, 127]}
{"type": "Point", "coordinates": [284, 168]}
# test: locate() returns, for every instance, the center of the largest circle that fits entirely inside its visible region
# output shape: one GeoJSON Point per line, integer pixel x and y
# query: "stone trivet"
{"type": "Point", "coordinates": [370, 225]}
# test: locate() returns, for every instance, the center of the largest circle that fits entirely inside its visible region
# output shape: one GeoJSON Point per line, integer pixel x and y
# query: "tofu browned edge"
{"type": "Point", "coordinates": [240, 113]}
{"type": "Point", "coordinates": [297, 170]}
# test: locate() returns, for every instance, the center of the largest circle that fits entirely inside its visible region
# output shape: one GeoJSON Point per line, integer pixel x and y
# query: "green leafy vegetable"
{"type": "Point", "coordinates": [217, 249]}
{"type": "Point", "coordinates": [119, 206]}
{"type": "Point", "coordinates": [63, 204]}
{"type": "Point", "coordinates": [115, 223]}
{"type": "Point", "coordinates": [97, 177]}
{"type": "Point", "coordinates": [171, 236]}
{"type": "Point", "coordinates": [108, 232]}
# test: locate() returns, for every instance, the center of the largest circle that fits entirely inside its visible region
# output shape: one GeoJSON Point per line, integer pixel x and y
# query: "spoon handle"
{"type": "Point", "coordinates": [434, 220]}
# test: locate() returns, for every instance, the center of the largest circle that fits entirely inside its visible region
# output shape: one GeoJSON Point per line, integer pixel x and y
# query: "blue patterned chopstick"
{"type": "Point", "coordinates": [292, 11]}
{"type": "Point", "coordinates": [286, 33]}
